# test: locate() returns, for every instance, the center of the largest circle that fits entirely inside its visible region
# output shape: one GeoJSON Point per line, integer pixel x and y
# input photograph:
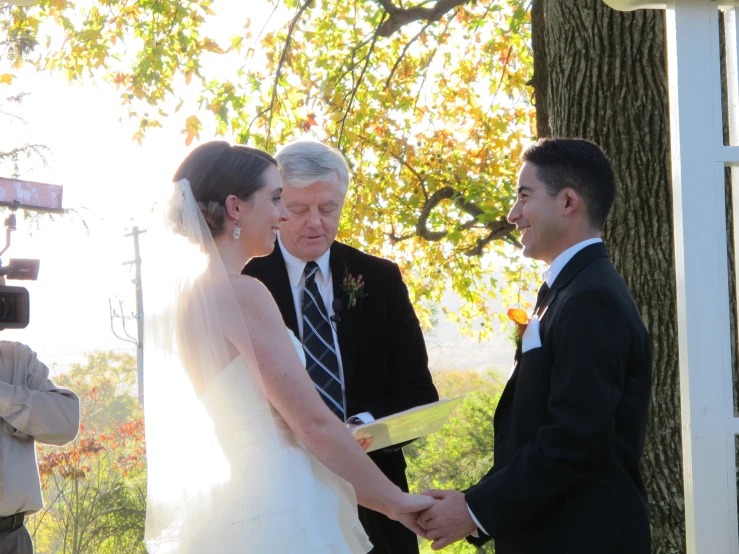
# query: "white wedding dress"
{"type": "Point", "coordinates": [299, 507]}
{"type": "Point", "coordinates": [226, 475]}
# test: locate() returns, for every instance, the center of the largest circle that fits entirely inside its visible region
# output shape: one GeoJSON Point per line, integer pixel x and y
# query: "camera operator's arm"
{"type": "Point", "coordinates": [31, 404]}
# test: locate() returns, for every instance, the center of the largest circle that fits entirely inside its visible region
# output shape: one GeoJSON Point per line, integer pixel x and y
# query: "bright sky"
{"type": "Point", "coordinates": [112, 181]}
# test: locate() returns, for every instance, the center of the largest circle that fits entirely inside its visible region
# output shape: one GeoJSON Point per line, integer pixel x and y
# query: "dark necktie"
{"type": "Point", "coordinates": [318, 342]}
{"type": "Point", "coordinates": [541, 295]}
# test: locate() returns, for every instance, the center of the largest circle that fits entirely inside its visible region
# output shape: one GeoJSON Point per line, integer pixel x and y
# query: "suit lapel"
{"type": "Point", "coordinates": [508, 391]}
{"type": "Point", "coordinates": [273, 273]}
{"type": "Point", "coordinates": [348, 326]}
{"type": "Point", "coordinates": [578, 262]}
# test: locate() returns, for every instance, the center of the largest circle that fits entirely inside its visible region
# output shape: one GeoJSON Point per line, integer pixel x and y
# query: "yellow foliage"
{"type": "Point", "coordinates": [428, 109]}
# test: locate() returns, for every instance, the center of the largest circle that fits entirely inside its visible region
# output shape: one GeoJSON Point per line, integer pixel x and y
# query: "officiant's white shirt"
{"type": "Point", "coordinates": [550, 275]}
{"type": "Point", "coordinates": [296, 274]}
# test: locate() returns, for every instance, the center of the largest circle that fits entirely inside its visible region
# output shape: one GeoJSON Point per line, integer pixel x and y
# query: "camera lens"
{"type": "Point", "coordinates": [14, 308]}
{"type": "Point", "coordinates": [7, 307]}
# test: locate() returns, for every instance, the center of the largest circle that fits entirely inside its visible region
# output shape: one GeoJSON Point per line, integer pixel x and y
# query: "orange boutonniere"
{"type": "Point", "coordinates": [520, 319]}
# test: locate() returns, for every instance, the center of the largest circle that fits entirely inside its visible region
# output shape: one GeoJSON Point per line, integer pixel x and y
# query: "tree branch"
{"type": "Point", "coordinates": [497, 229]}
{"type": "Point", "coordinates": [444, 193]}
{"type": "Point", "coordinates": [402, 54]}
{"type": "Point", "coordinates": [283, 55]}
{"type": "Point", "coordinates": [397, 238]}
{"type": "Point", "coordinates": [428, 66]}
{"type": "Point", "coordinates": [421, 180]}
{"type": "Point", "coordinates": [356, 86]}
{"type": "Point", "coordinates": [246, 135]}
{"type": "Point", "coordinates": [400, 16]}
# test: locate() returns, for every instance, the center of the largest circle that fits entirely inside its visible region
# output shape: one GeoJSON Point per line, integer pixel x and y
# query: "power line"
{"type": "Point", "coordinates": [138, 316]}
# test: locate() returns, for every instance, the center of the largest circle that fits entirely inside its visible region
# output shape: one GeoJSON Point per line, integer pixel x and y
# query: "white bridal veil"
{"type": "Point", "coordinates": [191, 308]}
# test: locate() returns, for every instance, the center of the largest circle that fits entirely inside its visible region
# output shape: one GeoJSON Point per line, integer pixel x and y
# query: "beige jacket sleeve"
{"type": "Point", "coordinates": [33, 406]}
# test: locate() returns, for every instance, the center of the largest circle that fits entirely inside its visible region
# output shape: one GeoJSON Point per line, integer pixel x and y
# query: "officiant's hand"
{"type": "Point", "coordinates": [447, 521]}
{"type": "Point", "coordinates": [364, 442]}
{"type": "Point", "coordinates": [407, 510]}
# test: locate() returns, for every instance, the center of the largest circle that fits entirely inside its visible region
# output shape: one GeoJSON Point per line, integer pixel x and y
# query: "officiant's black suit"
{"type": "Point", "coordinates": [383, 356]}
{"type": "Point", "coordinates": [570, 425]}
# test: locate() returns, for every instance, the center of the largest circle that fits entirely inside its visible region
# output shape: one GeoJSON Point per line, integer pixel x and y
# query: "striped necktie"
{"type": "Point", "coordinates": [318, 342]}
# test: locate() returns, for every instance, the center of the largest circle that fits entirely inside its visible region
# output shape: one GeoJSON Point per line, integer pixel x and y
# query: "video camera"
{"type": "Point", "coordinates": [27, 195]}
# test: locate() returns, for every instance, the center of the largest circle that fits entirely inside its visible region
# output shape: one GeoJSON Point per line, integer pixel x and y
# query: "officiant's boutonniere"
{"type": "Point", "coordinates": [353, 287]}
{"type": "Point", "coordinates": [520, 319]}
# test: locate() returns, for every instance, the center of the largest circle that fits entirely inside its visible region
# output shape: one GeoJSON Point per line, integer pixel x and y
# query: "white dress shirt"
{"type": "Point", "coordinates": [550, 275]}
{"type": "Point", "coordinates": [32, 409]}
{"type": "Point", "coordinates": [296, 274]}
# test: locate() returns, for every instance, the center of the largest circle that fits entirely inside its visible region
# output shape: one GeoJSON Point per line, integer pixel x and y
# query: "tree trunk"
{"type": "Point", "coordinates": [600, 74]}
{"type": "Point", "coordinates": [731, 245]}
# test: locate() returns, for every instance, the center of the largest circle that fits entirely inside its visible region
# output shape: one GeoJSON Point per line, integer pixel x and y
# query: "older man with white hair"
{"type": "Point", "coordinates": [363, 343]}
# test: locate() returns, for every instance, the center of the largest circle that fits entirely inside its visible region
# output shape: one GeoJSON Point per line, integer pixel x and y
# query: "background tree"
{"type": "Point", "coordinates": [461, 453]}
{"type": "Point", "coordinates": [427, 102]}
{"type": "Point", "coordinates": [95, 488]}
{"type": "Point", "coordinates": [614, 65]}
{"type": "Point", "coordinates": [14, 46]}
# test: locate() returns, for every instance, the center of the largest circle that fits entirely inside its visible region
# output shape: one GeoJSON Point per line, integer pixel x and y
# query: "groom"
{"type": "Point", "coordinates": [368, 360]}
{"type": "Point", "coordinates": [570, 424]}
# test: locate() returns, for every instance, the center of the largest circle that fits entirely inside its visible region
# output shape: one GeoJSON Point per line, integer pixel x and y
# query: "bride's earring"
{"type": "Point", "coordinates": [237, 230]}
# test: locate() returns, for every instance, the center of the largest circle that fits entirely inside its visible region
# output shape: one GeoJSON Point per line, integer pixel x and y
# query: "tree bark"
{"type": "Point", "coordinates": [600, 74]}
{"type": "Point", "coordinates": [730, 238]}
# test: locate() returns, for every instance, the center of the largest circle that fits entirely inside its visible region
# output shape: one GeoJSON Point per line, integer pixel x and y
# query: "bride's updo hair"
{"type": "Point", "coordinates": [217, 170]}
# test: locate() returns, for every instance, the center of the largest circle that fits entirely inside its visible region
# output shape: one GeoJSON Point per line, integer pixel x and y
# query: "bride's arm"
{"type": "Point", "coordinates": [290, 390]}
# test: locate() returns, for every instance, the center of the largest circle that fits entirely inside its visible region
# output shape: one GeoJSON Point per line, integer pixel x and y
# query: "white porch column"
{"type": "Point", "coordinates": [698, 158]}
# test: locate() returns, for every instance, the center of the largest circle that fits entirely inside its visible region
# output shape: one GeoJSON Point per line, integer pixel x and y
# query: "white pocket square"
{"type": "Point", "coordinates": [531, 338]}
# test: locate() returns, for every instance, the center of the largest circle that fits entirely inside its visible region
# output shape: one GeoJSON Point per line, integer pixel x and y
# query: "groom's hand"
{"type": "Point", "coordinates": [448, 520]}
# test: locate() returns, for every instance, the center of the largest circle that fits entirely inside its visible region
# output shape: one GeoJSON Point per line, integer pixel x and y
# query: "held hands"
{"type": "Point", "coordinates": [407, 511]}
{"type": "Point", "coordinates": [447, 521]}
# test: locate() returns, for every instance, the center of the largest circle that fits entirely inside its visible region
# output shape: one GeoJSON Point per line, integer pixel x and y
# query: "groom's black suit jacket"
{"type": "Point", "coordinates": [570, 425]}
{"type": "Point", "coordinates": [383, 355]}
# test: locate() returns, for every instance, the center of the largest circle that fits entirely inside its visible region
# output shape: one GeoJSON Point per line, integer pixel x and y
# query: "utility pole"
{"type": "Point", "coordinates": [138, 316]}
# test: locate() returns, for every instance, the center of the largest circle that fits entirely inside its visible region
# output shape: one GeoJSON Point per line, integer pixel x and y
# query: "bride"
{"type": "Point", "coordinates": [243, 455]}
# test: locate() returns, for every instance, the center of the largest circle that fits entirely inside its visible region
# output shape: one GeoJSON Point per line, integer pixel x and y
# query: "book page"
{"type": "Point", "coordinates": [407, 425]}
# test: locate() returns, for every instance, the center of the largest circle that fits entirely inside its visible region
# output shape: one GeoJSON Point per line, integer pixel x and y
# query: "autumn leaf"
{"type": "Point", "coordinates": [309, 122]}
{"type": "Point", "coordinates": [192, 129]}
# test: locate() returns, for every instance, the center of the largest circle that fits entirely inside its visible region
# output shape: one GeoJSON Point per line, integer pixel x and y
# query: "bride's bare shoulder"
{"type": "Point", "coordinates": [251, 293]}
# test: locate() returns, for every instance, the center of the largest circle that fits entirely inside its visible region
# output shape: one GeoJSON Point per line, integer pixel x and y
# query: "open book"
{"type": "Point", "coordinates": [407, 425]}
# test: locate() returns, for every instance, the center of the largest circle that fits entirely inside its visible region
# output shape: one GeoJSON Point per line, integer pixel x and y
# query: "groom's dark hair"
{"type": "Point", "coordinates": [578, 164]}
{"type": "Point", "coordinates": [216, 170]}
